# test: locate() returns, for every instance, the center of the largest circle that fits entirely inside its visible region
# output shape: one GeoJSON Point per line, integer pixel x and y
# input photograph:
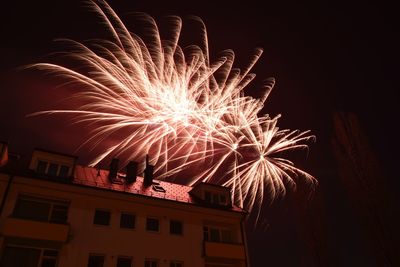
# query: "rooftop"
{"type": "Point", "coordinates": [16, 164]}
{"type": "Point", "coordinates": [97, 178]}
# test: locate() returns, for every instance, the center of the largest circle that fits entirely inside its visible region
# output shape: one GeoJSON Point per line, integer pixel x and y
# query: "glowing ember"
{"type": "Point", "coordinates": [157, 98]}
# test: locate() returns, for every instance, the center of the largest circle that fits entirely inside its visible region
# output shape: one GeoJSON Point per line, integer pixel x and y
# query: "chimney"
{"type": "Point", "coordinates": [148, 173]}
{"type": "Point", "coordinates": [131, 172]}
{"type": "Point", "coordinates": [113, 169]}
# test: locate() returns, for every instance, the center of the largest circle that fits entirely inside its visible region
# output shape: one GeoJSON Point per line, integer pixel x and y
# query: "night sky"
{"type": "Point", "coordinates": [326, 58]}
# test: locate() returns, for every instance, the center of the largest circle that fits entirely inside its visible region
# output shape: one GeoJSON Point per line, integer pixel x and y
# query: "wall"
{"type": "Point", "coordinates": [111, 240]}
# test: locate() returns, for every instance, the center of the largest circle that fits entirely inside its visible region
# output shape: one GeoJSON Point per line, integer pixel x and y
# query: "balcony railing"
{"type": "Point", "coordinates": [224, 250]}
{"type": "Point", "coordinates": [15, 227]}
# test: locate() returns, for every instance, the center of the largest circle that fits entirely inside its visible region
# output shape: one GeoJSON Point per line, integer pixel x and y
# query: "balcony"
{"type": "Point", "coordinates": [14, 227]}
{"type": "Point", "coordinates": [224, 250]}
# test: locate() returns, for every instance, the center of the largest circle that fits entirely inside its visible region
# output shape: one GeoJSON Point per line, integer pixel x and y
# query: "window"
{"type": "Point", "coordinates": [41, 167]}
{"type": "Point", "coordinates": [207, 196]}
{"type": "Point", "coordinates": [22, 256]}
{"type": "Point", "coordinates": [206, 233]}
{"type": "Point", "coordinates": [49, 258]}
{"type": "Point", "coordinates": [59, 213]}
{"type": "Point", "coordinates": [226, 235]}
{"type": "Point", "coordinates": [53, 169]}
{"type": "Point", "coordinates": [127, 221]}
{"type": "Point", "coordinates": [176, 264]}
{"type": "Point", "coordinates": [150, 263]}
{"type": "Point", "coordinates": [63, 171]}
{"type": "Point", "coordinates": [214, 235]}
{"type": "Point", "coordinates": [124, 262]}
{"type": "Point", "coordinates": [222, 199]}
{"type": "Point", "coordinates": [96, 260]}
{"type": "Point", "coordinates": [153, 225]}
{"type": "Point", "coordinates": [101, 217]}
{"type": "Point", "coordinates": [38, 209]}
{"type": "Point", "coordinates": [214, 198]}
{"type": "Point", "coordinates": [218, 234]}
{"type": "Point", "coordinates": [176, 227]}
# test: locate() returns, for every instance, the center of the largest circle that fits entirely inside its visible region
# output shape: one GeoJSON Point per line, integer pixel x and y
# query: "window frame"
{"type": "Point", "coordinates": [134, 221]}
{"type": "Point", "coordinates": [223, 200]}
{"type": "Point", "coordinates": [41, 167]}
{"type": "Point", "coordinates": [170, 227]}
{"type": "Point", "coordinates": [125, 257]}
{"type": "Point", "coordinates": [152, 261]}
{"type": "Point", "coordinates": [96, 255]}
{"type": "Point", "coordinates": [46, 257]}
{"type": "Point", "coordinates": [53, 169]}
{"type": "Point", "coordinates": [43, 200]}
{"type": "Point", "coordinates": [159, 224]}
{"type": "Point", "coordinates": [102, 210]}
{"type": "Point", "coordinates": [207, 235]}
{"type": "Point", "coordinates": [60, 172]}
{"type": "Point", "coordinates": [41, 251]}
{"type": "Point", "coordinates": [47, 164]}
{"type": "Point", "coordinates": [215, 198]}
{"type": "Point", "coordinates": [173, 263]}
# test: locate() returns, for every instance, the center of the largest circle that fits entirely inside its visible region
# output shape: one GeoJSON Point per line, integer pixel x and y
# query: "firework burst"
{"type": "Point", "coordinates": [165, 101]}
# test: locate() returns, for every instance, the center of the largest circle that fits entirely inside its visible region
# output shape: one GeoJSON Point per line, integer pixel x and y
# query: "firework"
{"type": "Point", "coordinates": [153, 97]}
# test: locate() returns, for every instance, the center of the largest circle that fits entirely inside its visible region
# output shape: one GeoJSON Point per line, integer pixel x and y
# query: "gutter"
{"type": "Point", "coordinates": [244, 239]}
{"type": "Point", "coordinates": [6, 192]}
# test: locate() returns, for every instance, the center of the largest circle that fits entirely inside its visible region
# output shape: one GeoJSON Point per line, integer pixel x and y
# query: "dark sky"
{"type": "Point", "coordinates": [326, 57]}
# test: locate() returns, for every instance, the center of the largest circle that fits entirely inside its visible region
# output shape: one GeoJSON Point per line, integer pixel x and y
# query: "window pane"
{"type": "Point", "coordinates": [20, 257]}
{"type": "Point", "coordinates": [214, 235]}
{"type": "Point", "coordinates": [207, 196]}
{"type": "Point", "coordinates": [127, 221]}
{"type": "Point", "coordinates": [59, 214]}
{"type": "Point", "coordinates": [222, 199]}
{"type": "Point", "coordinates": [48, 262]}
{"type": "Point", "coordinates": [41, 167]}
{"type": "Point", "coordinates": [96, 261]}
{"type": "Point", "coordinates": [31, 209]}
{"type": "Point", "coordinates": [226, 236]}
{"type": "Point", "coordinates": [53, 168]}
{"type": "Point", "coordinates": [205, 233]}
{"type": "Point", "coordinates": [176, 227]}
{"type": "Point", "coordinates": [50, 253]}
{"type": "Point", "coordinates": [215, 199]}
{"type": "Point", "coordinates": [102, 217]}
{"type": "Point", "coordinates": [152, 224]}
{"type": "Point", "coordinates": [63, 171]}
{"type": "Point", "coordinates": [151, 263]}
{"type": "Point", "coordinates": [176, 264]}
{"type": "Point", "coordinates": [124, 262]}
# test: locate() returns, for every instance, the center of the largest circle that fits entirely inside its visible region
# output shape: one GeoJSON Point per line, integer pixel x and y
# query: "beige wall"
{"type": "Point", "coordinates": [112, 241]}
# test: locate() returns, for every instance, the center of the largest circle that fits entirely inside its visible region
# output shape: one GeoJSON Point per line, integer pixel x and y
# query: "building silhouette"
{"type": "Point", "coordinates": [370, 199]}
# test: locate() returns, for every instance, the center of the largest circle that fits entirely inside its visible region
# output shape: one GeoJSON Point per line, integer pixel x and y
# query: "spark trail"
{"type": "Point", "coordinates": [152, 96]}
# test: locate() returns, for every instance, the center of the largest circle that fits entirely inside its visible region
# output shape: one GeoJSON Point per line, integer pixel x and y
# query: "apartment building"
{"type": "Point", "coordinates": [57, 213]}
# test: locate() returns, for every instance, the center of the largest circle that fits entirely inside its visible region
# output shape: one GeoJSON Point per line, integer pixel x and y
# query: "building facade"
{"type": "Point", "coordinates": [57, 213]}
